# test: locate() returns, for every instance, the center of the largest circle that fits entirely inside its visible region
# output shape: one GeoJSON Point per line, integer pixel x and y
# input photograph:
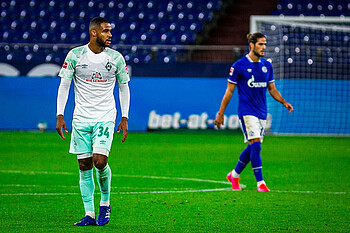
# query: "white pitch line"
{"type": "Point", "coordinates": [37, 172]}
{"type": "Point", "coordinates": [180, 191]}
{"type": "Point", "coordinates": [118, 175]}
{"type": "Point", "coordinates": [156, 177]}
{"type": "Point", "coordinates": [173, 178]}
{"type": "Point", "coordinates": [164, 191]}
{"type": "Point", "coordinates": [35, 185]}
{"type": "Point", "coordinates": [37, 194]}
{"type": "Point", "coordinates": [122, 193]}
{"type": "Point", "coordinates": [170, 191]}
{"type": "Point", "coordinates": [312, 192]}
{"type": "Point", "coordinates": [72, 186]}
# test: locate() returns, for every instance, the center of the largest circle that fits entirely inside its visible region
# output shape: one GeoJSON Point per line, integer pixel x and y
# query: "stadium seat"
{"type": "Point", "coordinates": [166, 22]}
{"type": "Point", "coordinates": [312, 8]}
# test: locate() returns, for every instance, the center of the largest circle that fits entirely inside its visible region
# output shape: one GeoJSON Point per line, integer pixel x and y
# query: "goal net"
{"type": "Point", "coordinates": [311, 61]}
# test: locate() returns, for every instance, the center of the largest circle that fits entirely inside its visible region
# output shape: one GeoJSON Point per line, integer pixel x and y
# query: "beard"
{"type": "Point", "coordinates": [101, 43]}
{"type": "Point", "coordinates": [257, 54]}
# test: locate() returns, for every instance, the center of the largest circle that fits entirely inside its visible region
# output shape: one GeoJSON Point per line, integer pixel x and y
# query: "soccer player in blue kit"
{"type": "Point", "coordinates": [252, 75]}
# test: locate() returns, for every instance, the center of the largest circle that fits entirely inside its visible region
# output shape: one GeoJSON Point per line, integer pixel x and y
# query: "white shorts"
{"type": "Point", "coordinates": [252, 127]}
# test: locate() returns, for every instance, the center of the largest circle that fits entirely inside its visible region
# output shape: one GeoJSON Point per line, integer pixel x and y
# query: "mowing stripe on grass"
{"type": "Point", "coordinates": [150, 192]}
{"type": "Point", "coordinates": [117, 175]}
{"type": "Point", "coordinates": [172, 191]}
{"type": "Point", "coordinates": [73, 186]}
{"type": "Point", "coordinates": [123, 193]}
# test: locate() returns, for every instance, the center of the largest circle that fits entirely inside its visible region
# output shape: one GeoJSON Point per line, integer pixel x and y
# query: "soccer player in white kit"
{"type": "Point", "coordinates": [94, 69]}
{"type": "Point", "coordinates": [252, 75]}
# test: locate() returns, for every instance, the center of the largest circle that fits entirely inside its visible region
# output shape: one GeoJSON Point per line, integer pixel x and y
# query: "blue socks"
{"type": "Point", "coordinates": [256, 160]}
{"type": "Point", "coordinates": [87, 187]}
{"type": "Point", "coordinates": [104, 181]}
{"type": "Point", "coordinates": [243, 160]}
{"type": "Point", "coordinates": [250, 154]}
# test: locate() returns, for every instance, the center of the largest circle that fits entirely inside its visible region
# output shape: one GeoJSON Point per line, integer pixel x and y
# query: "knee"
{"type": "Point", "coordinates": [85, 164]}
{"type": "Point", "coordinates": [256, 146]}
{"type": "Point", "coordinates": [100, 165]}
{"type": "Point", "coordinates": [100, 161]}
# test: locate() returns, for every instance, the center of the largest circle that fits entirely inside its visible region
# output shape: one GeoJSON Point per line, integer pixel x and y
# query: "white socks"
{"type": "Point", "coordinates": [261, 182]}
{"type": "Point", "coordinates": [90, 213]}
{"type": "Point", "coordinates": [102, 203]}
{"type": "Point", "coordinates": [235, 174]}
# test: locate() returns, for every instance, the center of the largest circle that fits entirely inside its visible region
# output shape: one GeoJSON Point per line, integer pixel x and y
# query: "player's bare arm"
{"type": "Point", "coordinates": [278, 97]}
{"type": "Point", "coordinates": [123, 125]}
{"type": "Point", "coordinates": [60, 123]}
{"type": "Point", "coordinates": [219, 120]}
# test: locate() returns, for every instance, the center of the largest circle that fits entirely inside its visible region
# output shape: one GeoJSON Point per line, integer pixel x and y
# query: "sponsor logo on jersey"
{"type": "Point", "coordinates": [65, 65]}
{"type": "Point", "coordinates": [96, 77]}
{"type": "Point", "coordinates": [264, 69]}
{"type": "Point", "coordinates": [231, 71]}
{"type": "Point", "coordinates": [108, 66]}
{"type": "Point", "coordinates": [84, 66]}
{"type": "Point", "coordinates": [251, 83]}
{"type": "Point", "coordinates": [126, 68]}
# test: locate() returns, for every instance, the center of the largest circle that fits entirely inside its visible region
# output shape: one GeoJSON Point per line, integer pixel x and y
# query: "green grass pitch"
{"type": "Point", "coordinates": [168, 182]}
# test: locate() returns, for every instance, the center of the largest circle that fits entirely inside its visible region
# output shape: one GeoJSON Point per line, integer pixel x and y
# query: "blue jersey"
{"type": "Point", "coordinates": [251, 79]}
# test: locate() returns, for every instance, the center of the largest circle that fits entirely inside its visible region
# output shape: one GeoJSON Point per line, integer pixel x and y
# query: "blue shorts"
{"type": "Point", "coordinates": [91, 138]}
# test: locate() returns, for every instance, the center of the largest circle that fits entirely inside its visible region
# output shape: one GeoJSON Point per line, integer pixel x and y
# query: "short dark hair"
{"type": "Point", "coordinates": [96, 22]}
{"type": "Point", "coordinates": [253, 38]}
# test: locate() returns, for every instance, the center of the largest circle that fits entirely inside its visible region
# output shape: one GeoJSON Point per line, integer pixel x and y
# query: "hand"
{"type": "Point", "coordinates": [123, 125]}
{"type": "Point", "coordinates": [288, 106]}
{"type": "Point", "coordinates": [61, 124]}
{"type": "Point", "coordinates": [219, 120]}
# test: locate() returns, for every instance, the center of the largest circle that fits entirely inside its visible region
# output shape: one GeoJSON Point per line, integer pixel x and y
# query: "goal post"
{"type": "Point", "coordinates": [255, 20]}
{"type": "Point", "coordinates": [311, 61]}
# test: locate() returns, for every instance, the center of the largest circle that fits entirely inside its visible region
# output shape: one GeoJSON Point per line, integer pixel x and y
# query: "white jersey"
{"type": "Point", "coordinates": [94, 77]}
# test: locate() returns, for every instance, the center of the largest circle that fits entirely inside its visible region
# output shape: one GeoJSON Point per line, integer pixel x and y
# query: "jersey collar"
{"type": "Point", "coordinates": [249, 59]}
{"type": "Point", "coordinates": [95, 58]}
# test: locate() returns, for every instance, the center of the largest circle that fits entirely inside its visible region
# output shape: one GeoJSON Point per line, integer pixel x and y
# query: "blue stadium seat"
{"type": "Point", "coordinates": [135, 22]}
{"type": "Point", "coordinates": [312, 8]}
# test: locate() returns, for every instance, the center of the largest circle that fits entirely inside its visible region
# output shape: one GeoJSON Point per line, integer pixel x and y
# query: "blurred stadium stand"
{"type": "Point", "coordinates": [313, 8]}
{"type": "Point", "coordinates": [31, 28]}
{"type": "Point", "coordinates": [231, 29]}
{"type": "Point", "coordinates": [35, 32]}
